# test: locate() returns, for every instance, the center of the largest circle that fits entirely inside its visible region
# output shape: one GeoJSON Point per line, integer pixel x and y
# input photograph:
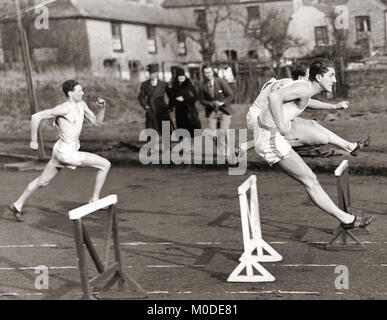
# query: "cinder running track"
{"type": "Point", "coordinates": [180, 235]}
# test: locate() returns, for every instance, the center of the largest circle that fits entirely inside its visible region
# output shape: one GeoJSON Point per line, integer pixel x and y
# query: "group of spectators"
{"type": "Point", "coordinates": [159, 99]}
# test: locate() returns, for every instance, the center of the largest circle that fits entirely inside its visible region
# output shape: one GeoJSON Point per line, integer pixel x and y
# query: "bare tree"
{"type": "Point", "coordinates": [213, 13]}
{"type": "Point", "coordinates": [271, 32]}
{"type": "Point", "coordinates": [338, 51]}
{"type": "Point", "coordinates": [340, 36]}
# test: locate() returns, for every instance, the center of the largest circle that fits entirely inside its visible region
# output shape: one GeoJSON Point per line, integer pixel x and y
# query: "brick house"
{"type": "Point", "coordinates": [106, 36]}
{"type": "Point", "coordinates": [367, 25]}
{"type": "Point", "coordinates": [231, 41]}
{"type": "Point", "coordinates": [311, 21]}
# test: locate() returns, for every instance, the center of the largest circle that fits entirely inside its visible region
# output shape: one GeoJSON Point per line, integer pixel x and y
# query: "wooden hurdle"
{"type": "Point", "coordinates": [106, 274]}
{"type": "Point", "coordinates": [254, 246]}
{"type": "Point", "coordinates": [343, 192]}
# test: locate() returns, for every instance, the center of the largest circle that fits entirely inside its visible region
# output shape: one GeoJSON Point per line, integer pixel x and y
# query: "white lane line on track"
{"type": "Point", "coordinates": [134, 244]}
{"type": "Point", "coordinates": [195, 266]}
{"type": "Point", "coordinates": [72, 267]}
{"type": "Point", "coordinates": [175, 266]}
{"type": "Point", "coordinates": [167, 243]}
{"type": "Point", "coordinates": [273, 292]}
{"type": "Point", "coordinates": [125, 244]}
{"type": "Point", "coordinates": [15, 294]}
{"type": "Point", "coordinates": [29, 246]}
{"type": "Point", "coordinates": [33, 268]}
{"type": "Point", "coordinates": [303, 265]}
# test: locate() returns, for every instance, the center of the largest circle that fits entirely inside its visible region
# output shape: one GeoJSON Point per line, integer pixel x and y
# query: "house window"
{"type": "Point", "coordinates": [1, 56]}
{"type": "Point", "coordinates": [134, 69]}
{"type": "Point", "coordinates": [181, 40]}
{"type": "Point", "coordinates": [231, 55]}
{"type": "Point", "coordinates": [321, 34]}
{"type": "Point", "coordinates": [253, 13]}
{"type": "Point", "coordinates": [117, 38]}
{"type": "Point", "coordinates": [110, 63]}
{"type": "Point", "coordinates": [201, 20]}
{"type": "Point", "coordinates": [363, 27]}
{"type": "Point", "coordinates": [13, 55]}
{"type": "Point", "coordinates": [253, 16]}
{"type": "Point", "coordinates": [151, 35]}
{"type": "Point", "coordinates": [252, 54]}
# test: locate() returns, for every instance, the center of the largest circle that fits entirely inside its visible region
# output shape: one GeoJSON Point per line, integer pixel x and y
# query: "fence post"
{"type": "Point", "coordinates": [342, 76]}
{"type": "Point", "coordinates": [28, 72]}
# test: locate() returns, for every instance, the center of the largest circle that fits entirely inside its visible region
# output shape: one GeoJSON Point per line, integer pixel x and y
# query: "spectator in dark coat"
{"type": "Point", "coordinates": [216, 95]}
{"type": "Point", "coordinates": [153, 98]}
{"type": "Point", "coordinates": [182, 97]}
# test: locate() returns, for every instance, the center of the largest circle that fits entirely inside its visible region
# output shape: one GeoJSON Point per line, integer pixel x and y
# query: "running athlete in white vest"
{"type": "Point", "coordinates": [68, 118]}
{"type": "Point", "coordinates": [275, 124]}
{"type": "Point", "coordinates": [304, 132]}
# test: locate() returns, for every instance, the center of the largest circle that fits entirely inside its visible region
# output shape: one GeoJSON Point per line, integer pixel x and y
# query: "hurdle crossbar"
{"type": "Point", "coordinates": [341, 168]}
{"type": "Point", "coordinates": [245, 186]}
{"type": "Point", "coordinates": [83, 211]}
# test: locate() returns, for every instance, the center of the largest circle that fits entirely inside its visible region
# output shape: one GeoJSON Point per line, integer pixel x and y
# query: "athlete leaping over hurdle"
{"type": "Point", "coordinates": [274, 125]}
{"type": "Point", "coordinates": [68, 118]}
{"type": "Point", "coordinates": [304, 132]}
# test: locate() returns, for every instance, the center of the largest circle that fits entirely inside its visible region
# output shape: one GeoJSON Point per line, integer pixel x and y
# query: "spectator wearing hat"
{"type": "Point", "coordinates": [182, 98]}
{"type": "Point", "coordinates": [154, 99]}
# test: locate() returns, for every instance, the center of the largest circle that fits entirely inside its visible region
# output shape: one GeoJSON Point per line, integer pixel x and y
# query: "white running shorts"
{"type": "Point", "coordinates": [66, 155]}
{"type": "Point", "coordinates": [270, 145]}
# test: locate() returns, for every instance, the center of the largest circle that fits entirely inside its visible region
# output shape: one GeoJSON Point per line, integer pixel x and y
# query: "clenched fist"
{"type": "Point", "coordinates": [34, 145]}
{"type": "Point", "coordinates": [342, 105]}
{"type": "Point", "coordinates": [101, 102]}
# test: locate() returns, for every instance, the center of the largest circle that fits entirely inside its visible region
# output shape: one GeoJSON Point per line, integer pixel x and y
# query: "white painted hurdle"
{"type": "Point", "coordinates": [252, 239]}
{"type": "Point", "coordinates": [83, 211]}
{"type": "Point", "coordinates": [107, 274]}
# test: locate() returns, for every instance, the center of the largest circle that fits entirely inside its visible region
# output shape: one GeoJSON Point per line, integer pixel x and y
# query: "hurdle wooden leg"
{"type": "Point", "coordinates": [122, 277]}
{"type": "Point", "coordinates": [107, 275]}
{"type": "Point", "coordinates": [112, 281]}
{"type": "Point", "coordinates": [108, 236]}
{"type": "Point", "coordinates": [344, 237]}
{"type": "Point", "coordinates": [344, 199]}
{"type": "Point", "coordinates": [350, 234]}
{"type": "Point", "coordinates": [344, 245]}
{"type": "Point", "coordinates": [92, 251]}
{"type": "Point", "coordinates": [81, 252]}
{"type": "Point", "coordinates": [116, 242]}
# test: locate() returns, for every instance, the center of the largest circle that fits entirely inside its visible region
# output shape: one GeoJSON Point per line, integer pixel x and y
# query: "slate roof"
{"type": "Point", "coordinates": [120, 11]}
{"type": "Point", "coordinates": [198, 3]}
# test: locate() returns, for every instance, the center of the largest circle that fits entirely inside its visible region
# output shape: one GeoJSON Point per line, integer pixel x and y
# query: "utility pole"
{"type": "Point", "coordinates": [28, 71]}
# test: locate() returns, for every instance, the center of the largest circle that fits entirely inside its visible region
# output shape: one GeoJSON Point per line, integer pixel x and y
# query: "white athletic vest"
{"type": "Point", "coordinates": [261, 102]}
{"type": "Point", "coordinates": [69, 129]}
{"type": "Point", "coordinates": [290, 111]}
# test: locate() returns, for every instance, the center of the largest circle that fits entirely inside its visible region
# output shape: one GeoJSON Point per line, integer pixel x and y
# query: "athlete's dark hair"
{"type": "Point", "coordinates": [319, 66]}
{"type": "Point", "coordinates": [68, 86]}
{"type": "Point", "coordinates": [299, 70]}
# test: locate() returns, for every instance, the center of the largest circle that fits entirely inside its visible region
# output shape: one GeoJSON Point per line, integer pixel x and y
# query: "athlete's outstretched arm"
{"type": "Point", "coordinates": [96, 120]}
{"type": "Point", "coordinates": [36, 118]}
{"type": "Point", "coordinates": [319, 105]}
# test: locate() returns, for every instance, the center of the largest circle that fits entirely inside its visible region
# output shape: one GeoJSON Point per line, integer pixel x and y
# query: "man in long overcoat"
{"type": "Point", "coordinates": [153, 98]}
